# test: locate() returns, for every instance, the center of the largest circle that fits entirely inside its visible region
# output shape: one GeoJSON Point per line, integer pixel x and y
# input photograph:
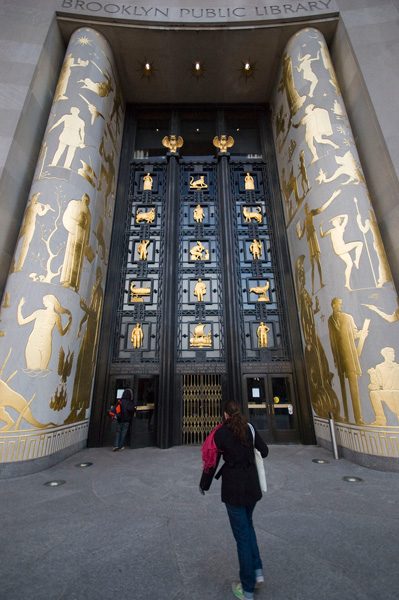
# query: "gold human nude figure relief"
{"type": "Point", "coordinates": [38, 349]}
{"type": "Point", "coordinates": [342, 248]}
{"type": "Point", "coordinates": [256, 249]}
{"type": "Point", "coordinates": [137, 336]}
{"type": "Point", "coordinates": [33, 210]}
{"type": "Point", "coordinates": [142, 249]}
{"type": "Point", "coordinates": [262, 332]}
{"type": "Point", "coordinates": [9, 398]}
{"type": "Point", "coordinates": [306, 69]}
{"type": "Point", "coordinates": [198, 213]}
{"type": "Point", "coordinates": [200, 290]}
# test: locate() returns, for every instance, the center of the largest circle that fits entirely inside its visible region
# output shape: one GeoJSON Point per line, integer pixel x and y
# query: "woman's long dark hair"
{"type": "Point", "coordinates": [237, 423]}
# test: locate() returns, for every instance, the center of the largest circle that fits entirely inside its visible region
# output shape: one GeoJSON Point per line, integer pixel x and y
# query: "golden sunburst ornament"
{"type": "Point", "coordinates": [147, 69]}
{"type": "Point", "coordinates": [247, 69]}
{"type": "Point", "coordinates": [84, 41]}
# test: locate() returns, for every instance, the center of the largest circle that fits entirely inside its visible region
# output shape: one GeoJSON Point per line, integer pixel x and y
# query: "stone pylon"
{"type": "Point", "coordinates": [348, 306]}
{"type": "Point", "coordinates": [51, 311]}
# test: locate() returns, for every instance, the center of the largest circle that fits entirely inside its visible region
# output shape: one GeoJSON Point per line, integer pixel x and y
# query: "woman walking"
{"type": "Point", "coordinates": [240, 489]}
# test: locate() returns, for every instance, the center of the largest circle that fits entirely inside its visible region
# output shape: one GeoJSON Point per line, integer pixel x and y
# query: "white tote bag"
{"type": "Point", "coordinates": [259, 464]}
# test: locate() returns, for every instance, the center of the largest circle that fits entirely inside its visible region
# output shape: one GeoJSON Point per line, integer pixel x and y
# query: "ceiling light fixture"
{"type": "Point", "coordinates": [247, 69]}
{"type": "Point", "coordinates": [147, 69]}
{"type": "Point", "coordinates": [197, 69]}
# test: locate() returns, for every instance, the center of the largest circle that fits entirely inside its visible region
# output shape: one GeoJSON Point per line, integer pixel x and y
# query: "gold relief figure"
{"type": "Point", "coordinates": [87, 173]}
{"type": "Point", "coordinates": [198, 252]}
{"type": "Point", "coordinates": [249, 182]}
{"type": "Point", "coordinates": [137, 336]}
{"type": "Point", "coordinates": [262, 332]}
{"type": "Point", "coordinates": [9, 398]}
{"type": "Point", "coordinates": [390, 318]}
{"type": "Point", "coordinates": [341, 248]}
{"type": "Point", "coordinates": [317, 126]}
{"type": "Point", "coordinates": [311, 236]}
{"type": "Point", "coordinates": [303, 174]}
{"type": "Point", "coordinates": [139, 291]}
{"type": "Point", "coordinates": [142, 249]}
{"type": "Point", "coordinates": [280, 121]}
{"type": "Point", "coordinates": [322, 395]}
{"type": "Point", "coordinates": [95, 113]}
{"type": "Point", "coordinates": [102, 88]}
{"type": "Point", "coordinates": [287, 85]}
{"type": "Point", "coordinates": [33, 210]}
{"type": "Point", "coordinates": [39, 346]}
{"type": "Point", "coordinates": [343, 333]}
{"type": "Point", "coordinates": [199, 339]}
{"type": "Point", "coordinates": [147, 182]}
{"type": "Point", "coordinates": [200, 290]}
{"type": "Point", "coordinates": [224, 143]}
{"type": "Point", "coordinates": [198, 213]}
{"type": "Point", "coordinates": [261, 291]}
{"type": "Point", "coordinates": [329, 67]}
{"type": "Point", "coordinates": [348, 166]}
{"type": "Point", "coordinates": [65, 74]}
{"type": "Point", "coordinates": [107, 173]}
{"type": "Point", "coordinates": [198, 184]}
{"type": "Point", "coordinates": [256, 249]}
{"type": "Point", "coordinates": [384, 387]}
{"type": "Point", "coordinates": [98, 234]}
{"type": "Point", "coordinates": [76, 220]}
{"type": "Point", "coordinates": [72, 137]}
{"type": "Point", "coordinates": [172, 143]}
{"type": "Point", "coordinates": [384, 272]}
{"type": "Point", "coordinates": [148, 216]}
{"type": "Point", "coordinates": [287, 188]}
{"type": "Point", "coordinates": [58, 400]}
{"type": "Point", "coordinates": [86, 361]}
{"type": "Point", "coordinates": [306, 68]}
{"type": "Point", "coordinates": [252, 215]}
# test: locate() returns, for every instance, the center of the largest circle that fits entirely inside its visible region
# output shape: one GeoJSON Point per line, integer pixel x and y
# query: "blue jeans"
{"type": "Point", "coordinates": [121, 432]}
{"type": "Point", "coordinates": [247, 546]}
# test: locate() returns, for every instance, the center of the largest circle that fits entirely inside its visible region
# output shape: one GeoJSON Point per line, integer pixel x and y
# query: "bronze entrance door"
{"type": "Point", "coordinates": [199, 295]}
{"type": "Point", "coordinates": [272, 407]}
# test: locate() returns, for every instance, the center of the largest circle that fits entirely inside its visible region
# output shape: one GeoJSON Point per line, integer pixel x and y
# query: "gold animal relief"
{"type": "Point", "coordinates": [198, 184]}
{"type": "Point", "coordinates": [172, 143]}
{"type": "Point", "coordinates": [224, 143]}
{"type": "Point", "coordinates": [137, 292]}
{"type": "Point", "coordinates": [261, 291]}
{"type": "Point", "coordinates": [148, 217]}
{"type": "Point", "coordinates": [249, 215]}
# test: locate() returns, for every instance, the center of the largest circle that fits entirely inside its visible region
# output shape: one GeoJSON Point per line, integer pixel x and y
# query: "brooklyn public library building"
{"type": "Point", "coordinates": [199, 202]}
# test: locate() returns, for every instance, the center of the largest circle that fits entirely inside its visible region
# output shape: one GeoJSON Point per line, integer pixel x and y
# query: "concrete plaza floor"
{"type": "Point", "coordinates": [133, 526]}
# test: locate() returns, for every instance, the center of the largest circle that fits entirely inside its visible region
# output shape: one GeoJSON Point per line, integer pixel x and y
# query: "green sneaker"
{"type": "Point", "coordinates": [239, 592]}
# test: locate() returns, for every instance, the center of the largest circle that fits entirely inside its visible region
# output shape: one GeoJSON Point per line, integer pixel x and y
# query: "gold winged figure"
{"type": "Point", "coordinates": [172, 143]}
{"type": "Point", "coordinates": [223, 143]}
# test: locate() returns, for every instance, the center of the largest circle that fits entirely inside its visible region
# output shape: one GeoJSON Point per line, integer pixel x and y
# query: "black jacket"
{"type": "Point", "coordinates": [128, 407]}
{"type": "Point", "coordinates": [240, 482]}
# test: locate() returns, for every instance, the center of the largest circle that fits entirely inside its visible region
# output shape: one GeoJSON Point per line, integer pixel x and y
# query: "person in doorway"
{"type": "Point", "coordinates": [240, 489]}
{"type": "Point", "coordinates": [124, 417]}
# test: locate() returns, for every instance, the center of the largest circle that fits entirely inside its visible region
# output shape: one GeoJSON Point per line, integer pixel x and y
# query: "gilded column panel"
{"type": "Point", "coordinates": [347, 303]}
{"type": "Point", "coordinates": [51, 311]}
